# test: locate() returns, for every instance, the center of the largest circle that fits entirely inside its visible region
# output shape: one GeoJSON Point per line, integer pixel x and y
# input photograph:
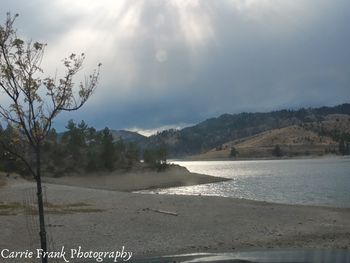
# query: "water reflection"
{"type": "Point", "coordinates": [305, 181]}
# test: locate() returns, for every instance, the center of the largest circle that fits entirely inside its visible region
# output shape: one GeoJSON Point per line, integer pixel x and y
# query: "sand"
{"type": "Point", "coordinates": [132, 181]}
{"type": "Point", "coordinates": [101, 220]}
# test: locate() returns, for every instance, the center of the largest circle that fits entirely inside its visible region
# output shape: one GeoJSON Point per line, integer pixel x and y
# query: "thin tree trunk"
{"type": "Point", "coordinates": [40, 203]}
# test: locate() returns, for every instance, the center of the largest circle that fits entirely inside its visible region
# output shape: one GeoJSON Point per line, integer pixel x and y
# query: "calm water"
{"type": "Point", "coordinates": [306, 181]}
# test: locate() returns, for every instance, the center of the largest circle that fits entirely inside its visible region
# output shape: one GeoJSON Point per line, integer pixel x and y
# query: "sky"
{"type": "Point", "coordinates": [174, 63]}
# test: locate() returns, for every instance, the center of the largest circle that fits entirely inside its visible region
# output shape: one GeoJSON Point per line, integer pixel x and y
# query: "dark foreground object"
{"type": "Point", "coordinates": [258, 256]}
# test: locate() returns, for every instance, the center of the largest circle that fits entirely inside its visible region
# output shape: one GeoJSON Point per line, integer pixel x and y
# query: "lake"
{"type": "Point", "coordinates": [324, 181]}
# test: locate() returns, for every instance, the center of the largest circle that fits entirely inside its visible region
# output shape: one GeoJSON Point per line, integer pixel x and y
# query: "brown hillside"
{"type": "Point", "coordinates": [334, 123]}
{"type": "Point", "coordinates": [293, 140]}
{"type": "Point", "coordinates": [293, 135]}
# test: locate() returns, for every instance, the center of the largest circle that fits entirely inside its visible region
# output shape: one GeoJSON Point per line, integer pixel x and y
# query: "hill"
{"type": "Point", "coordinates": [306, 139]}
{"type": "Point", "coordinates": [215, 132]}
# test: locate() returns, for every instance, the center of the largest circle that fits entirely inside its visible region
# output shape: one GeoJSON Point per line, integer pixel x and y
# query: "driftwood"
{"type": "Point", "coordinates": [161, 211]}
{"type": "Point", "coordinates": [165, 212]}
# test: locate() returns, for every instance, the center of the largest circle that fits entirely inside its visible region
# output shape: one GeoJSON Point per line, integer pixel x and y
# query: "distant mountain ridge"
{"type": "Point", "coordinates": [215, 132]}
{"type": "Point", "coordinates": [128, 136]}
{"type": "Point", "coordinates": [229, 127]}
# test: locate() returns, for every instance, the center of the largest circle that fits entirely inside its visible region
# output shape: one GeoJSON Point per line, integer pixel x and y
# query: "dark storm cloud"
{"type": "Point", "coordinates": [181, 61]}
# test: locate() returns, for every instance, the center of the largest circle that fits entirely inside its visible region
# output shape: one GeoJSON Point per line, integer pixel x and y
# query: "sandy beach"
{"type": "Point", "coordinates": [137, 180]}
{"type": "Point", "coordinates": [103, 220]}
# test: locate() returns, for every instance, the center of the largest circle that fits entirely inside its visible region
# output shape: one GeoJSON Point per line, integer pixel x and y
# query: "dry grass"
{"type": "Point", "coordinates": [292, 135]}
{"type": "Point", "coordinates": [2, 183]}
{"type": "Point", "coordinates": [50, 205]}
{"type": "Point", "coordinates": [71, 208]}
{"type": "Point", "coordinates": [294, 141]}
{"type": "Point", "coordinates": [13, 205]}
{"type": "Point", "coordinates": [74, 211]}
{"type": "Point", "coordinates": [10, 209]}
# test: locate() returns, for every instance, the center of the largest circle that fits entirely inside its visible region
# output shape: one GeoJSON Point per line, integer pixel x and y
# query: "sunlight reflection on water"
{"type": "Point", "coordinates": [323, 181]}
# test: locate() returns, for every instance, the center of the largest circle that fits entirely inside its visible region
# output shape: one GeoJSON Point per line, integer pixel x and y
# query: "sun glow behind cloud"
{"type": "Point", "coordinates": [115, 31]}
{"type": "Point", "coordinates": [124, 25]}
{"type": "Point", "coordinates": [128, 36]}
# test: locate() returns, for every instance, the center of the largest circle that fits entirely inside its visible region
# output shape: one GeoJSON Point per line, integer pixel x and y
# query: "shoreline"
{"type": "Point", "coordinates": [306, 157]}
{"type": "Point", "coordinates": [175, 176]}
{"type": "Point", "coordinates": [102, 219]}
{"type": "Point", "coordinates": [153, 192]}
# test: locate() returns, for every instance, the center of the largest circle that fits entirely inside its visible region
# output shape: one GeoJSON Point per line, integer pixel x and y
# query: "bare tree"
{"type": "Point", "coordinates": [34, 101]}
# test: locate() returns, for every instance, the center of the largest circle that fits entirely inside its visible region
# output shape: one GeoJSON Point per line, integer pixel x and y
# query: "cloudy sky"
{"type": "Point", "coordinates": [171, 63]}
